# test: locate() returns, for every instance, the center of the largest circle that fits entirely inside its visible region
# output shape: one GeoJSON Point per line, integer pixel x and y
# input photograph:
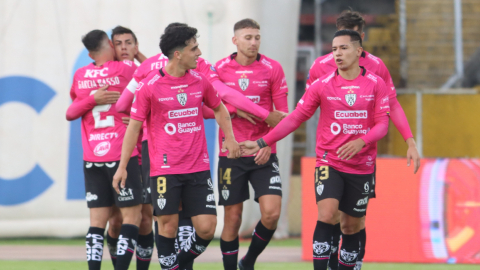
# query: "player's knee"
{"type": "Point", "coordinates": [350, 228]}
{"type": "Point", "coordinates": [233, 219]}
{"type": "Point", "coordinates": [270, 217]}
{"type": "Point", "coordinates": [206, 229]}
{"type": "Point", "coordinates": [327, 217]}
{"type": "Point", "coordinates": [146, 223]}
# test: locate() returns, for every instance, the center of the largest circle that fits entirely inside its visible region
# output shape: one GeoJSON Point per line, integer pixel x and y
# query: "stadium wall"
{"type": "Point", "coordinates": [429, 217]}
{"type": "Point", "coordinates": [41, 178]}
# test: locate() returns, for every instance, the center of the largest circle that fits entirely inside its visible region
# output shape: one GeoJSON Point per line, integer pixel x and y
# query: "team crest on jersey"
{"type": "Point", "coordinates": [320, 248]}
{"type": "Point", "coordinates": [320, 189]}
{"type": "Point", "coordinates": [225, 194]}
{"type": "Point", "coordinates": [243, 82]}
{"type": "Point", "coordinates": [350, 97]}
{"type": "Point", "coordinates": [161, 202]}
{"type": "Point", "coordinates": [168, 260]}
{"type": "Point", "coordinates": [182, 98]}
{"type": "Point", "coordinates": [348, 256]}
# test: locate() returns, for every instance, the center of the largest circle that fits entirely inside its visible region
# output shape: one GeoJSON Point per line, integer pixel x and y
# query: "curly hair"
{"type": "Point", "coordinates": [176, 38]}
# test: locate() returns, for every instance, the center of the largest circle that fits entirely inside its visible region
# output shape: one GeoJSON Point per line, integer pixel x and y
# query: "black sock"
{"type": "Point", "coordinates": [333, 262]}
{"type": "Point", "coordinates": [194, 247]}
{"type": "Point", "coordinates": [144, 251]}
{"type": "Point", "coordinates": [185, 230]}
{"type": "Point", "coordinates": [167, 255]}
{"type": "Point", "coordinates": [349, 251]}
{"type": "Point", "coordinates": [112, 248]}
{"type": "Point", "coordinates": [322, 240]}
{"type": "Point", "coordinates": [260, 239]}
{"type": "Point", "coordinates": [127, 240]}
{"type": "Point", "coordinates": [361, 254]}
{"type": "Point", "coordinates": [94, 243]}
{"type": "Point", "coordinates": [230, 253]}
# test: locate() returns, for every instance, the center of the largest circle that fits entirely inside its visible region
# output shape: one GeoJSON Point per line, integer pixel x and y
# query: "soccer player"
{"type": "Point", "coordinates": [170, 101]}
{"type": "Point", "coordinates": [126, 48]}
{"type": "Point", "coordinates": [325, 64]}
{"type": "Point", "coordinates": [262, 80]}
{"type": "Point", "coordinates": [354, 105]}
{"type": "Point", "coordinates": [102, 136]}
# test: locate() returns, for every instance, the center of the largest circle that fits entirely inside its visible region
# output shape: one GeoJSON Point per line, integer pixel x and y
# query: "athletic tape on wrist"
{"type": "Point", "coordinates": [261, 143]}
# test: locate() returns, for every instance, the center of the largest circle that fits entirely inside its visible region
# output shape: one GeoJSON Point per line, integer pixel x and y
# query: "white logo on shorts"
{"type": "Point", "coordinates": [320, 189]}
{"type": "Point", "coordinates": [363, 201]}
{"type": "Point", "coordinates": [210, 183]}
{"type": "Point", "coordinates": [111, 165]}
{"type": "Point", "coordinates": [275, 179]}
{"type": "Point", "coordinates": [320, 248]}
{"type": "Point", "coordinates": [161, 203]}
{"type": "Point", "coordinates": [88, 165]}
{"type": "Point", "coordinates": [91, 197]}
{"type": "Point", "coordinates": [211, 198]}
{"type": "Point", "coordinates": [275, 166]}
{"type": "Point", "coordinates": [225, 194]}
{"type": "Point", "coordinates": [366, 187]}
{"type": "Point", "coordinates": [168, 260]}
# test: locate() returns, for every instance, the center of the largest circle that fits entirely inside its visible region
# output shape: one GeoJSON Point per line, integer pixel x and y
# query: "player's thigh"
{"type": "Point", "coordinates": [166, 194]}
{"type": "Point", "coordinates": [270, 205]}
{"type": "Point", "coordinates": [232, 181]}
{"type": "Point", "coordinates": [329, 183]}
{"type": "Point", "coordinates": [356, 194]}
{"type": "Point", "coordinates": [198, 196]}
{"type": "Point", "coordinates": [132, 193]}
{"type": "Point", "coordinates": [147, 192]}
{"type": "Point", "coordinates": [98, 186]}
{"type": "Point", "coordinates": [265, 179]}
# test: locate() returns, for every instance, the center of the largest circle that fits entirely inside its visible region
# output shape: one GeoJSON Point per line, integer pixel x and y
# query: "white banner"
{"type": "Point", "coordinates": [41, 175]}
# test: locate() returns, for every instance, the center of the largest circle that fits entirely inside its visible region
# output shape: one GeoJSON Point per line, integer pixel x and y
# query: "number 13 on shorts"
{"type": "Point", "coordinates": [321, 173]}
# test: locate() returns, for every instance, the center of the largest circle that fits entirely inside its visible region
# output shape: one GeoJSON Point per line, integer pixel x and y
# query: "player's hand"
{"type": "Point", "coordinates": [274, 118]}
{"type": "Point", "coordinates": [103, 96]}
{"type": "Point", "coordinates": [126, 120]}
{"type": "Point", "coordinates": [249, 148]}
{"type": "Point", "coordinates": [350, 149]}
{"type": "Point", "coordinates": [263, 155]}
{"type": "Point", "coordinates": [250, 117]}
{"type": "Point", "coordinates": [233, 148]}
{"type": "Point", "coordinates": [412, 154]}
{"type": "Point", "coordinates": [119, 178]}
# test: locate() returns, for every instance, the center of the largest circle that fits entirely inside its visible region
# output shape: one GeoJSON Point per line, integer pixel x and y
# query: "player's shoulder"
{"type": "Point", "coordinates": [371, 76]}
{"type": "Point", "coordinates": [150, 80]}
{"type": "Point", "coordinates": [269, 62]}
{"type": "Point", "coordinates": [326, 59]}
{"type": "Point", "coordinates": [222, 63]}
{"type": "Point", "coordinates": [195, 76]}
{"type": "Point", "coordinates": [321, 82]}
{"type": "Point", "coordinates": [373, 59]}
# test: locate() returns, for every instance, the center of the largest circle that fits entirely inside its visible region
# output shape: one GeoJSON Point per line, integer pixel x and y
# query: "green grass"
{"type": "Point", "coordinates": [291, 242]}
{"type": "Point", "coordinates": [46, 265]}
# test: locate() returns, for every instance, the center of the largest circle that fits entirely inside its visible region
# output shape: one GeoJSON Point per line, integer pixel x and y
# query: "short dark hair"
{"type": "Point", "coordinates": [93, 40]}
{"type": "Point", "coordinates": [246, 23]}
{"type": "Point", "coordinates": [348, 19]}
{"type": "Point", "coordinates": [175, 24]}
{"type": "Point", "coordinates": [176, 38]}
{"type": "Point", "coordinates": [120, 30]}
{"type": "Point", "coordinates": [354, 35]}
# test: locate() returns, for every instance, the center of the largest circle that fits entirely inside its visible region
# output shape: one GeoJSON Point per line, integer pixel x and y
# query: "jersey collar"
{"type": "Point", "coordinates": [363, 72]}
{"type": "Point", "coordinates": [233, 55]}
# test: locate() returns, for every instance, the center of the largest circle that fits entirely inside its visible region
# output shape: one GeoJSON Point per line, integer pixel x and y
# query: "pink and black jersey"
{"type": "Point", "coordinates": [102, 127]}
{"type": "Point", "coordinates": [326, 64]}
{"type": "Point", "coordinates": [172, 108]}
{"type": "Point", "coordinates": [349, 109]}
{"type": "Point", "coordinates": [263, 82]}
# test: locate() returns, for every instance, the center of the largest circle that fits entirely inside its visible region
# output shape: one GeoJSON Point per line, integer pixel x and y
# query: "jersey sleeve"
{"type": "Point", "coordinates": [129, 68]}
{"type": "Point", "coordinates": [208, 70]}
{"type": "Point", "coordinates": [210, 96]}
{"type": "Point", "coordinates": [141, 72]}
{"type": "Point", "coordinates": [310, 101]}
{"type": "Point", "coordinates": [382, 110]}
{"type": "Point", "coordinates": [279, 89]}
{"type": "Point", "coordinates": [385, 75]}
{"type": "Point", "coordinates": [73, 88]}
{"type": "Point", "coordinates": [313, 74]}
{"type": "Point", "coordinates": [142, 103]}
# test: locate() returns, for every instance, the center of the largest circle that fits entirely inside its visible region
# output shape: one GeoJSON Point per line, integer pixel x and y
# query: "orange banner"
{"type": "Point", "coordinates": [431, 216]}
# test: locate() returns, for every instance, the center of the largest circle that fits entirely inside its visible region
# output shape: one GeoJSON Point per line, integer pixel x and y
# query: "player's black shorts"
{"type": "Point", "coordinates": [194, 190]}
{"type": "Point", "coordinates": [234, 175]}
{"type": "Point", "coordinates": [98, 184]}
{"type": "Point", "coordinates": [351, 190]}
{"type": "Point", "coordinates": [147, 191]}
{"type": "Point", "coordinates": [372, 186]}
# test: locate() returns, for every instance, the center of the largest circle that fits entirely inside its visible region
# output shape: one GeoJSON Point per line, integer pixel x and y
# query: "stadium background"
{"type": "Point", "coordinates": [431, 48]}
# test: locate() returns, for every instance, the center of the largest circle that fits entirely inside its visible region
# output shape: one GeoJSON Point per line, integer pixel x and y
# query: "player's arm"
{"type": "Point", "coordinates": [306, 107]}
{"type": "Point", "coordinates": [80, 107]}
{"type": "Point", "coordinates": [124, 103]}
{"type": "Point", "coordinates": [210, 114]}
{"type": "Point", "coordinates": [379, 130]}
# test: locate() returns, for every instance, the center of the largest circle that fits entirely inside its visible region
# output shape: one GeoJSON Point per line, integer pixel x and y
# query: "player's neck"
{"type": "Point", "coordinates": [174, 69]}
{"type": "Point", "coordinates": [244, 60]}
{"type": "Point", "coordinates": [100, 60]}
{"type": "Point", "coordinates": [350, 73]}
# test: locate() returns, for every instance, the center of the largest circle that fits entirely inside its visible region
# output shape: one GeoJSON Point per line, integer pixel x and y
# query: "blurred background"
{"type": "Point", "coordinates": [431, 48]}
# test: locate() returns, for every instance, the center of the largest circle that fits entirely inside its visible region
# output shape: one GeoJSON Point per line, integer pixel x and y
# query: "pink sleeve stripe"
{"type": "Point", "coordinates": [78, 108]}
{"type": "Point", "coordinates": [239, 101]}
{"type": "Point", "coordinates": [399, 119]}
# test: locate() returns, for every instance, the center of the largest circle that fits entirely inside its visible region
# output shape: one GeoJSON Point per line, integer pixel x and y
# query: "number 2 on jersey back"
{"type": "Point", "coordinates": [226, 176]}
{"type": "Point", "coordinates": [109, 121]}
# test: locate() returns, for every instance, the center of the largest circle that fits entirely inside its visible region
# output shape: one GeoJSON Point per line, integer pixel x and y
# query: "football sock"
{"type": "Point", "coordinates": [94, 243]}
{"type": "Point", "coordinates": [260, 239]}
{"type": "Point", "coordinates": [112, 248]}
{"type": "Point", "coordinates": [167, 255]}
{"type": "Point", "coordinates": [194, 247]}
{"type": "Point", "coordinates": [127, 240]}
{"type": "Point", "coordinates": [144, 251]}
{"type": "Point", "coordinates": [333, 262]}
{"type": "Point", "coordinates": [185, 230]}
{"type": "Point", "coordinates": [361, 254]}
{"type": "Point", "coordinates": [322, 240]}
{"type": "Point", "coordinates": [349, 251]}
{"type": "Point", "coordinates": [229, 253]}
